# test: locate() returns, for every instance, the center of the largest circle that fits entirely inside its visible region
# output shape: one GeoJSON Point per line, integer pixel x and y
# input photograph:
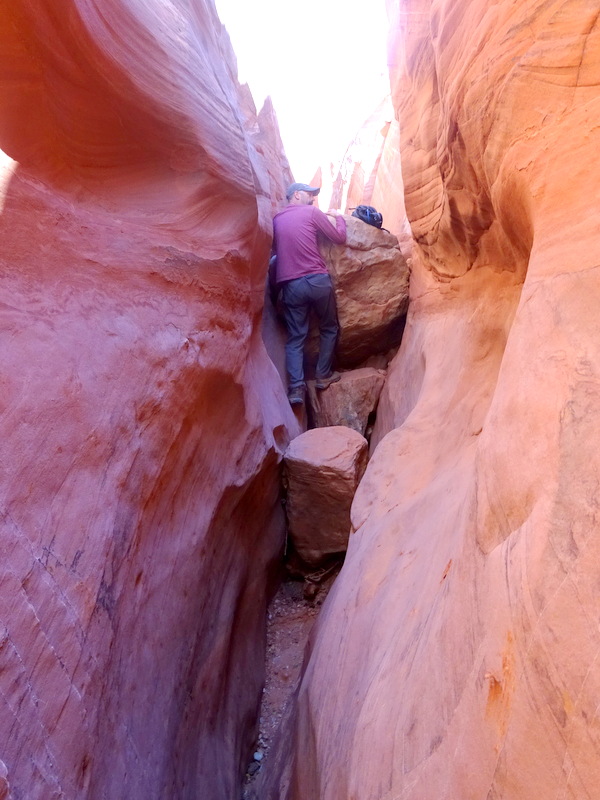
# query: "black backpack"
{"type": "Point", "coordinates": [369, 215]}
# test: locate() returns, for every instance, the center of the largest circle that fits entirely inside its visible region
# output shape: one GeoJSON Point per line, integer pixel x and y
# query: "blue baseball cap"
{"type": "Point", "coordinates": [301, 187]}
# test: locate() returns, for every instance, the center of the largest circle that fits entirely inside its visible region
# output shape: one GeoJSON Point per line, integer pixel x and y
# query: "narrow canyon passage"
{"type": "Point", "coordinates": [144, 422]}
{"type": "Point", "coordinates": [290, 618]}
{"type": "Point", "coordinates": [146, 431]}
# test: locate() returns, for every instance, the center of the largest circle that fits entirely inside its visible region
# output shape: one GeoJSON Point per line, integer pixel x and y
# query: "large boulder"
{"type": "Point", "coordinates": [322, 469]}
{"type": "Point", "coordinates": [351, 401]}
{"type": "Point", "coordinates": [370, 275]}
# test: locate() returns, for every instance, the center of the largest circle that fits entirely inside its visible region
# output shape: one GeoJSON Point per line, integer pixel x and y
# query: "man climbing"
{"type": "Point", "coordinates": [301, 276]}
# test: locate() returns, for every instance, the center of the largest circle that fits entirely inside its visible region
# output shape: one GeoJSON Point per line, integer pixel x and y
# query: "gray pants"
{"type": "Point", "coordinates": [299, 297]}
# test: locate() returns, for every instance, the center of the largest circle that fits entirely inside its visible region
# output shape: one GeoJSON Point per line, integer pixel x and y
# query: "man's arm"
{"type": "Point", "coordinates": [337, 232]}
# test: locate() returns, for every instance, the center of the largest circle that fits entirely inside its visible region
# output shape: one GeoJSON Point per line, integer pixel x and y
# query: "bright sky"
{"type": "Point", "coordinates": [323, 62]}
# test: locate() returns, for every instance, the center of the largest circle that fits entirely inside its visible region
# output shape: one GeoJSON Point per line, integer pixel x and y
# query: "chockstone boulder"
{"type": "Point", "coordinates": [322, 469]}
{"type": "Point", "coordinates": [351, 401]}
{"type": "Point", "coordinates": [371, 278]}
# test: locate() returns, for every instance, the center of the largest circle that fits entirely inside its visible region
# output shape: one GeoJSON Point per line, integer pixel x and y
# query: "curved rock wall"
{"type": "Point", "coordinates": [142, 422]}
{"type": "Point", "coordinates": [456, 656]}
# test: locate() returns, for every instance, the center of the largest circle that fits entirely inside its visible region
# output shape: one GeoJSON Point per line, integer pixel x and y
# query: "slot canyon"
{"type": "Point", "coordinates": [145, 420]}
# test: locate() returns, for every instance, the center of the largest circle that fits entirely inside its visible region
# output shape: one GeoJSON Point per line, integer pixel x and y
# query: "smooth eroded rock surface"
{"type": "Point", "coordinates": [142, 422]}
{"type": "Point", "coordinates": [322, 468]}
{"type": "Point", "coordinates": [457, 654]}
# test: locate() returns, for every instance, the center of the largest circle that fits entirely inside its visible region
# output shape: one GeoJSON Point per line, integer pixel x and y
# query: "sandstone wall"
{"type": "Point", "coordinates": [457, 654]}
{"type": "Point", "coordinates": [142, 423]}
{"type": "Point", "coordinates": [369, 173]}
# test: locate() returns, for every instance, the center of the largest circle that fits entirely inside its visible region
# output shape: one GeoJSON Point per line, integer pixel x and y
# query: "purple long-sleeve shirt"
{"type": "Point", "coordinates": [295, 241]}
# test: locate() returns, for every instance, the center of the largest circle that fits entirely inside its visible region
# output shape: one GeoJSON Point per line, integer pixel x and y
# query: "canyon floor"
{"type": "Point", "coordinates": [291, 615]}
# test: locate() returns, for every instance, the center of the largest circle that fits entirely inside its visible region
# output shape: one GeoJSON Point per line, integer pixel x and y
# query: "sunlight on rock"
{"type": "Point", "coordinates": [7, 169]}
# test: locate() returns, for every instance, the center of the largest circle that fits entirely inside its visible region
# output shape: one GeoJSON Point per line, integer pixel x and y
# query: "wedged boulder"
{"type": "Point", "coordinates": [370, 275]}
{"type": "Point", "coordinates": [322, 469]}
{"type": "Point", "coordinates": [351, 400]}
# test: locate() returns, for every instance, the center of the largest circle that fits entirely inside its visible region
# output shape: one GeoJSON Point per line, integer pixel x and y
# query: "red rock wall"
{"type": "Point", "coordinates": [142, 422]}
{"type": "Point", "coordinates": [457, 654]}
{"type": "Point", "coordinates": [357, 174]}
{"type": "Point", "coordinates": [370, 173]}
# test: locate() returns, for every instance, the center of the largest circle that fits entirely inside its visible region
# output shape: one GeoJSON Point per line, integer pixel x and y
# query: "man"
{"type": "Point", "coordinates": [305, 284]}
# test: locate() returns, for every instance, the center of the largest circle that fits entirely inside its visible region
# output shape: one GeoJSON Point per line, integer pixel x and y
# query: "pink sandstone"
{"type": "Point", "coordinates": [456, 656]}
{"type": "Point", "coordinates": [370, 173]}
{"type": "Point", "coordinates": [142, 421]}
{"type": "Point", "coordinates": [351, 401]}
{"type": "Point", "coordinates": [322, 468]}
{"type": "Point", "coordinates": [370, 277]}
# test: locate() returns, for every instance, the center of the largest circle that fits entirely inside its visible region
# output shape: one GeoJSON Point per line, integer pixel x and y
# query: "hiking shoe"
{"type": "Point", "coordinates": [296, 396]}
{"type": "Point", "coordinates": [323, 383]}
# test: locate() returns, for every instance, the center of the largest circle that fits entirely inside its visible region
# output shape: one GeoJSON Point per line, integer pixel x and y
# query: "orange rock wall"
{"type": "Point", "coordinates": [369, 173]}
{"type": "Point", "coordinates": [456, 656]}
{"type": "Point", "coordinates": [142, 423]}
